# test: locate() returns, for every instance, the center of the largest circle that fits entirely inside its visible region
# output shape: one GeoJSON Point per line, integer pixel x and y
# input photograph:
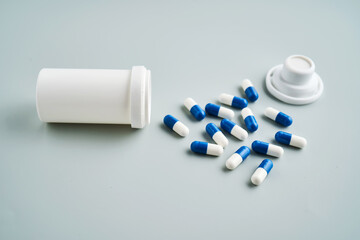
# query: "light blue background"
{"type": "Point", "coordinates": [67, 181]}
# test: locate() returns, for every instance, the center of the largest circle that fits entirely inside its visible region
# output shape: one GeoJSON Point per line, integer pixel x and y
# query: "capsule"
{"type": "Point", "coordinates": [206, 148]}
{"type": "Point", "coordinates": [194, 109]}
{"type": "Point", "coordinates": [216, 135]}
{"type": "Point", "coordinates": [233, 101]}
{"type": "Point", "coordinates": [290, 139]}
{"type": "Point", "coordinates": [278, 116]}
{"type": "Point", "coordinates": [176, 125]}
{"type": "Point", "coordinates": [249, 119]}
{"type": "Point", "coordinates": [219, 111]}
{"type": "Point", "coordinates": [233, 129]}
{"type": "Point", "coordinates": [249, 90]}
{"type": "Point", "coordinates": [261, 172]}
{"type": "Point", "coordinates": [238, 157]}
{"type": "Point", "coordinates": [267, 148]}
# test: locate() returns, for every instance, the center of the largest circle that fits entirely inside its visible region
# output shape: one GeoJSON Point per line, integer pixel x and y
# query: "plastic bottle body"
{"type": "Point", "coordinates": [94, 96]}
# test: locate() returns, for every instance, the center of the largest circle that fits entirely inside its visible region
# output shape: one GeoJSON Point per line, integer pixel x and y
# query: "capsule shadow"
{"type": "Point", "coordinates": [262, 156]}
{"type": "Point", "coordinates": [225, 169]}
{"type": "Point", "coordinates": [200, 156]}
{"type": "Point", "coordinates": [211, 117]}
{"type": "Point", "coordinates": [287, 147]}
{"type": "Point", "coordinates": [250, 184]}
{"type": "Point", "coordinates": [242, 94]}
{"type": "Point", "coordinates": [242, 123]}
{"type": "Point", "coordinates": [207, 137]}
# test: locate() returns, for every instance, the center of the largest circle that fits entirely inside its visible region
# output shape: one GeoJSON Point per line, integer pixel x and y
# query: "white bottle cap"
{"type": "Point", "coordinates": [295, 81]}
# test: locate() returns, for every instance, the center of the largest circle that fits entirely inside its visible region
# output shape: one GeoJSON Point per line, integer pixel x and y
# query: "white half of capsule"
{"type": "Point", "coordinates": [233, 161]}
{"type": "Point", "coordinates": [271, 113]}
{"type": "Point", "coordinates": [297, 141]}
{"type": "Point", "coordinates": [246, 112]}
{"type": "Point", "coordinates": [274, 150]}
{"type": "Point", "coordinates": [246, 83]}
{"type": "Point", "coordinates": [226, 113]}
{"type": "Point", "coordinates": [214, 149]}
{"type": "Point", "coordinates": [259, 176]}
{"type": "Point", "coordinates": [189, 103]}
{"type": "Point", "coordinates": [220, 139]}
{"type": "Point", "coordinates": [226, 99]}
{"type": "Point", "coordinates": [239, 132]}
{"type": "Point", "coordinates": [181, 129]}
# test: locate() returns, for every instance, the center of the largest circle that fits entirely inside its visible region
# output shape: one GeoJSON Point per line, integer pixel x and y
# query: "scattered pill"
{"type": "Point", "coordinates": [249, 119]}
{"type": "Point", "coordinates": [290, 139]}
{"type": "Point", "coordinates": [216, 135]}
{"type": "Point", "coordinates": [219, 111]}
{"type": "Point", "coordinates": [206, 148]}
{"type": "Point", "coordinates": [278, 116]}
{"type": "Point", "coordinates": [267, 148]}
{"type": "Point", "coordinates": [249, 90]}
{"type": "Point", "coordinates": [176, 125]}
{"type": "Point", "coordinates": [262, 171]}
{"type": "Point", "coordinates": [233, 101]}
{"type": "Point", "coordinates": [233, 129]}
{"type": "Point", "coordinates": [194, 109]}
{"type": "Point", "coordinates": [238, 157]}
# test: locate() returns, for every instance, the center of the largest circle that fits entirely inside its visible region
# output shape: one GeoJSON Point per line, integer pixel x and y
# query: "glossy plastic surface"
{"type": "Point", "coordinates": [260, 147]}
{"type": "Point", "coordinates": [170, 121]}
{"type": "Point", "coordinates": [266, 164]}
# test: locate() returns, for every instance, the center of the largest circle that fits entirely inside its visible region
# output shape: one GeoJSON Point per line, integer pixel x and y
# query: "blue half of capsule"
{"type": "Point", "coordinates": [238, 102]}
{"type": "Point", "coordinates": [198, 112]}
{"type": "Point", "coordinates": [199, 147]}
{"type": "Point", "coordinates": [283, 137]}
{"type": "Point", "coordinates": [227, 125]}
{"type": "Point", "coordinates": [170, 121]}
{"type": "Point", "coordinates": [260, 147]}
{"type": "Point", "coordinates": [267, 165]}
{"type": "Point", "coordinates": [212, 109]}
{"type": "Point", "coordinates": [251, 123]}
{"type": "Point", "coordinates": [243, 151]}
{"type": "Point", "coordinates": [211, 129]}
{"type": "Point", "coordinates": [251, 94]}
{"type": "Point", "coordinates": [283, 119]}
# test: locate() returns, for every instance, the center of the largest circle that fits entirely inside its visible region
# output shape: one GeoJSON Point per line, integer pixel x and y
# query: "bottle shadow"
{"type": "Point", "coordinates": [90, 130]}
{"type": "Point", "coordinates": [23, 120]}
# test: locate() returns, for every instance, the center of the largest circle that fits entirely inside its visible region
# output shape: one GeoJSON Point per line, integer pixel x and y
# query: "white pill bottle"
{"type": "Point", "coordinates": [101, 96]}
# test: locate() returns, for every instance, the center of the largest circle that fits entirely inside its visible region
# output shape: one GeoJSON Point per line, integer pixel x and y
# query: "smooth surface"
{"type": "Point", "coordinates": [84, 96]}
{"type": "Point", "coordinates": [68, 181]}
{"type": "Point", "coordinates": [293, 83]}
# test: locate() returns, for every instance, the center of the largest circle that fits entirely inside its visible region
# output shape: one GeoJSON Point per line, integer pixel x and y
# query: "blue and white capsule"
{"type": "Point", "coordinates": [194, 109]}
{"type": "Point", "coordinates": [290, 139]}
{"type": "Point", "coordinates": [249, 119]}
{"type": "Point", "coordinates": [177, 126]}
{"type": "Point", "coordinates": [267, 148]}
{"type": "Point", "coordinates": [206, 148]}
{"type": "Point", "coordinates": [249, 90]}
{"type": "Point", "coordinates": [216, 135]}
{"type": "Point", "coordinates": [262, 171]}
{"type": "Point", "coordinates": [238, 157]}
{"type": "Point", "coordinates": [233, 101]}
{"type": "Point", "coordinates": [219, 111]}
{"type": "Point", "coordinates": [278, 116]}
{"type": "Point", "coordinates": [233, 129]}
